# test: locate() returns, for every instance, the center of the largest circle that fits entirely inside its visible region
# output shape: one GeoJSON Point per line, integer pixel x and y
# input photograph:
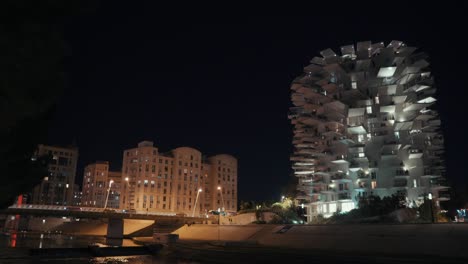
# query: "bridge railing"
{"type": "Point", "coordinates": [88, 209]}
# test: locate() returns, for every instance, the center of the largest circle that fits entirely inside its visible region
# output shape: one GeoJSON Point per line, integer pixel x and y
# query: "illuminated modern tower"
{"type": "Point", "coordinates": [364, 123]}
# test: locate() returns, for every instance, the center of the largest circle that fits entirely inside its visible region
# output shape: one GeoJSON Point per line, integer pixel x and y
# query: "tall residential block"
{"type": "Point", "coordinates": [99, 185]}
{"type": "Point", "coordinates": [174, 181]}
{"type": "Point", "coordinates": [57, 187]}
{"type": "Point", "coordinates": [365, 124]}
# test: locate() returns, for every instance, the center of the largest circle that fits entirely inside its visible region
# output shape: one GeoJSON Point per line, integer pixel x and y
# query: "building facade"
{"type": "Point", "coordinates": [364, 123]}
{"type": "Point", "coordinates": [76, 201]}
{"type": "Point", "coordinates": [99, 185]}
{"type": "Point", "coordinates": [57, 187]}
{"type": "Point", "coordinates": [179, 181]}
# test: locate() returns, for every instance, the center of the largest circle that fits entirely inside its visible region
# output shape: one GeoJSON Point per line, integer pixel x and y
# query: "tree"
{"type": "Point", "coordinates": [32, 52]}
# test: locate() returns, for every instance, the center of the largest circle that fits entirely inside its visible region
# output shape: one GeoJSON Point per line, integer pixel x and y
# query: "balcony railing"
{"type": "Point", "coordinates": [338, 176]}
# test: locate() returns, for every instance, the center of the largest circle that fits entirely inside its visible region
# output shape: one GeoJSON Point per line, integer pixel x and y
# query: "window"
{"type": "Point", "coordinates": [354, 85]}
{"type": "Point", "coordinates": [369, 109]}
{"type": "Point", "coordinates": [374, 184]}
{"type": "Point", "coordinates": [377, 100]}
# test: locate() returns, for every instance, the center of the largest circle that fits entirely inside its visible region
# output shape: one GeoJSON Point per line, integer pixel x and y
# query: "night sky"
{"type": "Point", "coordinates": [220, 83]}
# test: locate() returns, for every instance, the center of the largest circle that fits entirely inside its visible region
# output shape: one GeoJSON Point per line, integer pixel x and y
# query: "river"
{"type": "Point", "coordinates": [22, 241]}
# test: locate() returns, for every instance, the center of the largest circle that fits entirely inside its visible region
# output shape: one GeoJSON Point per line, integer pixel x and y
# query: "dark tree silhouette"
{"type": "Point", "coordinates": [32, 52]}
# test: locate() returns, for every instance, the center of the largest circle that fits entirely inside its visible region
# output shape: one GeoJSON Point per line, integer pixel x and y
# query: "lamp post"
{"type": "Point", "coordinates": [429, 196]}
{"type": "Point", "coordinates": [222, 198]}
{"type": "Point", "coordinates": [196, 200]}
{"type": "Point", "coordinates": [127, 190]}
{"type": "Point", "coordinates": [108, 191]}
{"type": "Point", "coordinates": [219, 216]}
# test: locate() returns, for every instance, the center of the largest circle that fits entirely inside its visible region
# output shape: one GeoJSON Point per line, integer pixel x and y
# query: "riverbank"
{"type": "Point", "coordinates": [445, 240]}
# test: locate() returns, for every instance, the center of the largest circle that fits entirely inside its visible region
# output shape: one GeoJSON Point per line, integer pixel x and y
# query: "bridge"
{"type": "Point", "coordinates": [92, 212]}
{"type": "Point", "coordinates": [115, 217]}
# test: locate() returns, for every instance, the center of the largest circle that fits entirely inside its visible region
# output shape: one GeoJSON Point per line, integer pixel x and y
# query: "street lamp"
{"type": "Point", "coordinates": [126, 192]}
{"type": "Point", "coordinates": [196, 200]}
{"type": "Point", "coordinates": [108, 191]}
{"type": "Point", "coordinates": [222, 198]}
{"type": "Point", "coordinates": [429, 196]}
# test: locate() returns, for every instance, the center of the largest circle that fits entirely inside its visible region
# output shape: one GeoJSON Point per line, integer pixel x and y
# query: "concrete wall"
{"type": "Point", "coordinates": [217, 232]}
{"type": "Point", "coordinates": [245, 219]}
{"type": "Point", "coordinates": [99, 227]}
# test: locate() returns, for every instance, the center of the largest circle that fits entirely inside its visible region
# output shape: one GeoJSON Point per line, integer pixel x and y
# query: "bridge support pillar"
{"type": "Point", "coordinates": [115, 228]}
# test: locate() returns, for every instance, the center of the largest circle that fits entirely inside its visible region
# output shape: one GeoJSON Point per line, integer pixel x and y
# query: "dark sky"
{"type": "Point", "coordinates": [220, 83]}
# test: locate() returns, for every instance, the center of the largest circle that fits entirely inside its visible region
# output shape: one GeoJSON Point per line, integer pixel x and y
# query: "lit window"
{"type": "Point", "coordinates": [369, 109]}
{"type": "Point", "coordinates": [354, 85]}
{"type": "Point", "coordinates": [415, 183]}
{"type": "Point", "coordinates": [377, 100]}
{"type": "Point", "coordinates": [374, 184]}
{"type": "Point", "coordinates": [361, 155]}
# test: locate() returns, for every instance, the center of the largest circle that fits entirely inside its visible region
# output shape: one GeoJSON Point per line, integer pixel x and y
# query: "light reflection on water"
{"type": "Point", "coordinates": [28, 240]}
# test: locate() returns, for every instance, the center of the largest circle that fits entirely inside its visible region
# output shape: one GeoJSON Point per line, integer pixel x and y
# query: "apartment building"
{"type": "Point", "coordinates": [101, 187]}
{"type": "Point", "coordinates": [56, 188]}
{"type": "Point", "coordinates": [178, 181]}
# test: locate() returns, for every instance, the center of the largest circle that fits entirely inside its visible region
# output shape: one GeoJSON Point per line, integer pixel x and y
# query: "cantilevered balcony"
{"type": "Point", "coordinates": [339, 177]}
{"type": "Point", "coordinates": [415, 153]}
{"type": "Point", "coordinates": [403, 174]}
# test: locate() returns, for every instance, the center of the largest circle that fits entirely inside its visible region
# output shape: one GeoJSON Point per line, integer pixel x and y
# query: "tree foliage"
{"type": "Point", "coordinates": [32, 52]}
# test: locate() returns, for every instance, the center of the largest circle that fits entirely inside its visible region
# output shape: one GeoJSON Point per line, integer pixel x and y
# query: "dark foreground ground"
{"type": "Point", "coordinates": [212, 252]}
{"type": "Point", "coordinates": [203, 252]}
